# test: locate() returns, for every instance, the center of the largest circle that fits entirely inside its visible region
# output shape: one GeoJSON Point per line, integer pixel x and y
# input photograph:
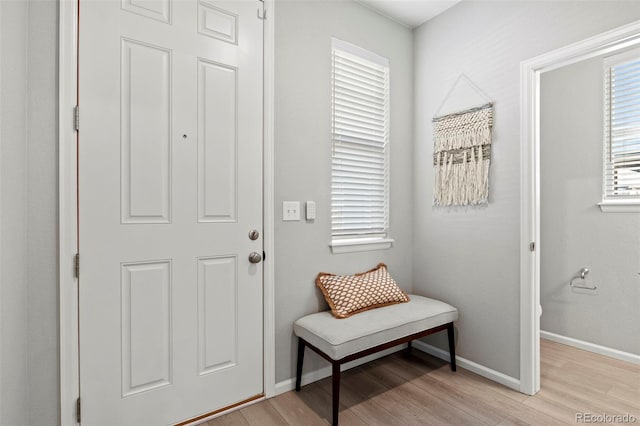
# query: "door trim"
{"type": "Point", "coordinates": [68, 202]}
{"type": "Point", "coordinates": [67, 213]}
{"type": "Point", "coordinates": [530, 71]}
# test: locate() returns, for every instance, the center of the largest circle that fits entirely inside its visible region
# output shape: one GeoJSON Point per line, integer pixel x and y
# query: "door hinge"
{"type": "Point", "coordinates": [78, 407]}
{"type": "Point", "coordinates": [76, 265]}
{"type": "Point", "coordinates": [532, 246]}
{"type": "Point", "coordinates": [264, 14]}
{"type": "Point", "coordinates": [76, 118]}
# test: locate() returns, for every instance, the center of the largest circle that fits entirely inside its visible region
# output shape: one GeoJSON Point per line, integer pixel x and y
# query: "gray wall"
{"type": "Point", "coordinates": [28, 213]}
{"type": "Point", "coordinates": [574, 232]}
{"type": "Point", "coordinates": [42, 214]}
{"type": "Point", "coordinates": [470, 256]}
{"type": "Point", "coordinates": [13, 295]}
{"type": "Point", "coordinates": [303, 155]}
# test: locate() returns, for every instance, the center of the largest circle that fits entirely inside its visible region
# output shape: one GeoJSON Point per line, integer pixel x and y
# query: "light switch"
{"type": "Point", "coordinates": [290, 210]}
{"type": "Point", "coordinates": [311, 210]}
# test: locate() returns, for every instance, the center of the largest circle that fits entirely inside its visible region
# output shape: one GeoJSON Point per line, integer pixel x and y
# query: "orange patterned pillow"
{"type": "Point", "coordinates": [350, 294]}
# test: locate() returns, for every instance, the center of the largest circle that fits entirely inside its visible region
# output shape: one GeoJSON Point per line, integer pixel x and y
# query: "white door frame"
{"type": "Point", "coordinates": [530, 71]}
{"type": "Point", "coordinates": [68, 226]}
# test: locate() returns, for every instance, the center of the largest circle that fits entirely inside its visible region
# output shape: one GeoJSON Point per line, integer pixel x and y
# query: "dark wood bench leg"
{"type": "Point", "coordinates": [299, 366]}
{"type": "Point", "coordinates": [336, 391]}
{"type": "Point", "coordinates": [409, 347]}
{"type": "Point", "coordinates": [452, 346]}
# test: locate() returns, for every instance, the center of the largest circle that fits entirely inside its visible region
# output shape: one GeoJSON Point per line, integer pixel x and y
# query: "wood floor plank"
{"type": "Point", "coordinates": [467, 378]}
{"type": "Point", "coordinates": [421, 390]}
{"type": "Point", "coordinates": [610, 367]}
{"type": "Point", "coordinates": [504, 401]}
{"type": "Point", "coordinates": [590, 396]}
{"type": "Point", "coordinates": [558, 409]}
{"type": "Point", "coordinates": [572, 375]}
{"type": "Point", "coordinates": [234, 418]}
{"type": "Point", "coordinates": [366, 398]}
{"type": "Point", "coordinates": [295, 411]}
{"type": "Point", "coordinates": [263, 413]}
{"type": "Point", "coordinates": [484, 413]}
{"type": "Point", "coordinates": [625, 393]}
{"type": "Point", "coordinates": [417, 398]}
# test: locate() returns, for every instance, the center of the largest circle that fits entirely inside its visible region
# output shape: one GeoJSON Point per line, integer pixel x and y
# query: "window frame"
{"type": "Point", "coordinates": [365, 241]}
{"type": "Point", "coordinates": [611, 202]}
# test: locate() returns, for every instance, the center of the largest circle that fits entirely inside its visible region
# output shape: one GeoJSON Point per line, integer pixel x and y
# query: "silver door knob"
{"type": "Point", "coordinates": [255, 257]}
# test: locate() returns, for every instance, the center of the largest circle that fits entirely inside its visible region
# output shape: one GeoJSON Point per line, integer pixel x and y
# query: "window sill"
{"type": "Point", "coordinates": [356, 245]}
{"type": "Point", "coordinates": [620, 206]}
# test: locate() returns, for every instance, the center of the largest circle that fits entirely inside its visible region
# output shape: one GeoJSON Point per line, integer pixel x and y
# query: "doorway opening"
{"type": "Point", "coordinates": [623, 38]}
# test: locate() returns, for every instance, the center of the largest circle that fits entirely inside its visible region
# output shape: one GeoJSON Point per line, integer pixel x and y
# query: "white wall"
{"type": "Point", "coordinates": [303, 155]}
{"type": "Point", "coordinates": [574, 232]}
{"type": "Point", "coordinates": [13, 138]}
{"type": "Point", "coordinates": [470, 256]}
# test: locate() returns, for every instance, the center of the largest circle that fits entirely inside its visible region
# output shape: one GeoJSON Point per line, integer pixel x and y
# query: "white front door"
{"type": "Point", "coordinates": [170, 185]}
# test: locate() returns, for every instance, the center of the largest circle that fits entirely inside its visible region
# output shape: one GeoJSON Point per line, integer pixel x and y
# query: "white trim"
{"type": "Point", "coordinates": [619, 206]}
{"type": "Point", "coordinates": [529, 232]}
{"type": "Point", "coordinates": [67, 226]}
{"type": "Point", "coordinates": [496, 376]}
{"type": "Point", "coordinates": [1, 229]}
{"type": "Point", "coordinates": [355, 245]}
{"type": "Point", "coordinates": [591, 347]}
{"type": "Point", "coordinates": [612, 202]}
{"type": "Point", "coordinates": [67, 202]}
{"type": "Point", "coordinates": [269, 343]}
{"type": "Point", "coordinates": [621, 38]}
{"type": "Point", "coordinates": [620, 58]}
{"type": "Point", "coordinates": [324, 372]}
{"type": "Point", "coordinates": [358, 51]}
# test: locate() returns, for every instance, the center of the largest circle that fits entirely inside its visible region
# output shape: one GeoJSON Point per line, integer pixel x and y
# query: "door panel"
{"type": "Point", "coordinates": [170, 184]}
{"type": "Point", "coordinates": [146, 326]}
{"type": "Point", "coordinates": [218, 298]}
{"type": "Point", "coordinates": [217, 142]}
{"type": "Point", "coordinates": [145, 133]}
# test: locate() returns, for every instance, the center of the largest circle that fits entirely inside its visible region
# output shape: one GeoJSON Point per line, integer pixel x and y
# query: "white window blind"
{"type": "Point", "coordinates": [622, 128]}
{"type": "Point", "coordinates": [360, 144]}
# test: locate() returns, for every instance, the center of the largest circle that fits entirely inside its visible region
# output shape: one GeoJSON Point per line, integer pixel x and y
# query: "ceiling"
{"type": "Point", "coordinates": [411, 13]}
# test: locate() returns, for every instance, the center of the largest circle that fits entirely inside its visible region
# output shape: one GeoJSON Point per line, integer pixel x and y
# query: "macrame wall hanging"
{"type": "Point", "coordinates": [462, 154]}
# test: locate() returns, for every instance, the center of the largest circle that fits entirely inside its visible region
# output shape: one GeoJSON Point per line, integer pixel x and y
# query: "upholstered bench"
{"type": "Point", "coordinates": [346, 339]}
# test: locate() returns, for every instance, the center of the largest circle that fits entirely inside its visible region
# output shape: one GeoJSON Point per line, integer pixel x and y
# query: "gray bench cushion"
{"type": "Point", "coordinates": [341, 337]}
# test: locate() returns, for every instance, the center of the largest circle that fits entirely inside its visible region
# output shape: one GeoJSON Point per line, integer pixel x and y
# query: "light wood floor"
{"type": "Point", "coordinates": [421, 390]}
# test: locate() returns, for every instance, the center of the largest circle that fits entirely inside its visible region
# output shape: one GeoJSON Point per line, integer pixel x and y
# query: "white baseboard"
{"type": "Point", "coordinates": [496, 376]}
{"type": "Point", "coordinates": [481, 370]}
{"type": "Point", "coordinates": [314, 376]}
{"type": "Point", "coordinates": [591, 347]}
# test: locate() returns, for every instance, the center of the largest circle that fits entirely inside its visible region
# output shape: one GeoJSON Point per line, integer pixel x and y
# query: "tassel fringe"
{"type": "Point", "coordinates": [462, 158]}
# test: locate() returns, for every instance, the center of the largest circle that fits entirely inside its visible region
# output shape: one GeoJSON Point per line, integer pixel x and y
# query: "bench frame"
{"type": "Point", "coordinates": [337, 363]}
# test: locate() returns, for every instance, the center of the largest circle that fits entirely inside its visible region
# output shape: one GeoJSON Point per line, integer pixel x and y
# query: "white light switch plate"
{"type": "Point", "coordinates": [311, 210]}
{"type": "Point", "coordinates": [290, 210]}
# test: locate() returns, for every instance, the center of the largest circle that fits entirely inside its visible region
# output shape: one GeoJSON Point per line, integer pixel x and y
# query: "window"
{"type": "Point", "coordinates": [621, 182]}
{"type": "Point", "coordinates": [360, 149]}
